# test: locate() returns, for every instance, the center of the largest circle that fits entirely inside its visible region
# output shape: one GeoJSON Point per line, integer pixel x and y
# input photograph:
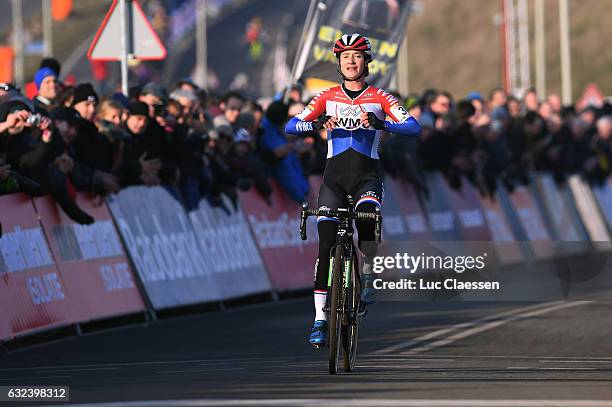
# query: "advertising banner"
{"type": "Point", "coordinates": [228, 248]}
{"type": "Point", "coordinates": [163, 247]}
{"type": "Point", "coordinates": [393, 227]}
{"type": "Point", "coordinates": [589, 212]}
{"type": "Point", "coordinates": [562, 219]}
{"type": "Point", "coordinates": [406, 199]}
{"type": "Point", "coordinates": [507, 248]}
{"type": "Point", "coordinates": [288, 260]}
{"type": "Point", "coordinates": [530, 222]}
{"type": "Point", "coordinates": [603, 194]}
{"type": "Point", "coordinates": [30, 283]}
{"type": "Point", "coordinates": [93, 265]}
{"type": "Point", "coordinates": [383, 22]}
{"type": "Point", "coordinates": [466, 205]}
{"type": "Point", "coordinates": [444, 226]}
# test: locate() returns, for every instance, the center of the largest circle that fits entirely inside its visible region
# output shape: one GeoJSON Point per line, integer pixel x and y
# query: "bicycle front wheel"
{"type": "Point", "coordinates": [335, 308]}
{"type": "Point", "coordinates": [350, 330]}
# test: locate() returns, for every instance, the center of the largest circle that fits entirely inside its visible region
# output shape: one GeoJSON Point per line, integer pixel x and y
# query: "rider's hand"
{"type": "Point", "coordinates": [369, 119]}
{"type": "Point", "coordinates": [327, 122]}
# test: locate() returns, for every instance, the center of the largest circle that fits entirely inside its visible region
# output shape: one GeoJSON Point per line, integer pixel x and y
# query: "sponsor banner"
{"type": "Point", "coordinates": [393, 225]}
{"type": "Point", "coordinates": [383, 22]}
{"type": "Point", "coordinates": [562, 220]}
{"type": "Point", "coordinates": [588, 210]}
{"type": "Point", "coordinates": [507, 248]}
{"type": "Point", "coordinates": [163, 247]}
{"type": "Point", "coordinates": [530, 222]}
{"type": "Point", "coordinates": [289, 261]}
{"type": "Point", "coordinates": [444, 226]}
{"type": "Point", "coordinates": [31, 286]}
{"type": "Point", "coordinates": [92, 261]}
{"type": "Point", "coordinates": [603, 194]}
{"type": "Point", "coordinates": [405, 197]}
{"type": "Point", "coordinates": [468, 211]}
{"type": "Point", "coordinates": [229, 250]}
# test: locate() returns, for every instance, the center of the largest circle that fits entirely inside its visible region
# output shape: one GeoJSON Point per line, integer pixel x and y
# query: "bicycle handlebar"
{"type": "Point", "coordinates": [340, 214]}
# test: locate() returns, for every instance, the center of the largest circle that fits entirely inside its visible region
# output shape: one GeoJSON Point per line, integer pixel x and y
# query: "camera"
{"type": "Point", "coordinates": [34, 119]}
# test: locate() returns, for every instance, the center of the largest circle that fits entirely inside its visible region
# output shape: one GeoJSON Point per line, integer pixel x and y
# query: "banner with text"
{"type": "Point", "coordinates": [383, 22]}
{"type": "Point", "coordinates": [91, 259]}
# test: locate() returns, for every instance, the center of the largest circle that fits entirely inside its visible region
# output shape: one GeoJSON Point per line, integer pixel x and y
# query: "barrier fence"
{"type": "Point", "coordinates": [146, 251]}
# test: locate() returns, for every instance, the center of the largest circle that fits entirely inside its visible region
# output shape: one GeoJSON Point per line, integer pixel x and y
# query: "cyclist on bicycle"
{"type": "Point", "coordinates": [354, 115]}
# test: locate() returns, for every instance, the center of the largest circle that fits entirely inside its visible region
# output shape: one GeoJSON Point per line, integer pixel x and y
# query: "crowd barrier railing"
{"type": "Point", "coordinates": [146, 252]}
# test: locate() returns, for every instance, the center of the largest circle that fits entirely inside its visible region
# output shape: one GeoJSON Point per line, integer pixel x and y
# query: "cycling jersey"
{"type": "Point", "coordinates": [349, 133]}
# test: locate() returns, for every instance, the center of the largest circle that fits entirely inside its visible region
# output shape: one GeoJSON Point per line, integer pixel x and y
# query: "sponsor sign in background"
{"type": "Point", "coordinates": [383, 22]}
{"type": "Point", "coordinates": [508, 250]}
{"type": "Point", "coordinates": [468, 211]}
{"type": "Point", "coordinates": [163, 247]}
{"type": "Point", "coordinates": [229, 250]}
{"type": "Point", "coordinates": [560, 216]}
{"type": "Point", "coordinates": [30, 282]}
{"type": "Point", "coordinates": [523, 210]}
{"type": "Point", "coordinates": [288, 260]}
{"type": "Point", "coordinates": [589, 211]}
{"type": "Point", "coordinates": [441, 217]}
{"type": "Point", "coordinates": [393, 227]}
{"type": "Point", "coordinates": [603, 193]}
{"type": "Point", "coordinates": [93, 265]}
{"type": "Point", "coordinates": [404, 196]}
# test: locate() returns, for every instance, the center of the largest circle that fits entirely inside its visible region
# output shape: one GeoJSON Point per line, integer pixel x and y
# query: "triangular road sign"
{"type": "Point", "coordinates": [106, 45]}
{"type": "Point", "coordinates": [592, 96]}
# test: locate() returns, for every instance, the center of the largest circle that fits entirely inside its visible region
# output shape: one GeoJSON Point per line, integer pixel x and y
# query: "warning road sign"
{"type": "Point", "coordinates": [143, 42]}
{"type": "Point", "coordinates": [592, 96]}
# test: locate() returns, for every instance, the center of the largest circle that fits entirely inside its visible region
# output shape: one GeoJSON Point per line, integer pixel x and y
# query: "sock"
{"type": "Point", "coordinates": [320, 296]}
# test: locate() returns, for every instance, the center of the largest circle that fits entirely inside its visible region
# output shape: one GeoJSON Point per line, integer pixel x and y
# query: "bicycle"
{"type": "Point", "coordinates": [344, 308]}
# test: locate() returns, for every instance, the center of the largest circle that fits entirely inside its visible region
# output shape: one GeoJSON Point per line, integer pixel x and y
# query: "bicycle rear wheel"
{"type": "Point", "coordinates": [334, 309]}
{"type": "Point", "coordinates": [350, 331]}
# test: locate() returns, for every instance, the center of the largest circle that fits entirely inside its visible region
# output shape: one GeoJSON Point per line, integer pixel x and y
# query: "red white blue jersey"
{"type": "Point", "coordinates": [350, 133]}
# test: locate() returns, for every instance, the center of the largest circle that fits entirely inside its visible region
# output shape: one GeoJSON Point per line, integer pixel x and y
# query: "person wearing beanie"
{"type": "Point", "coordinates": [85, 101]}
{"type": "Point", "coordinates": [144, 149]}
{"type": "Point", "coordinates": [45, 80]}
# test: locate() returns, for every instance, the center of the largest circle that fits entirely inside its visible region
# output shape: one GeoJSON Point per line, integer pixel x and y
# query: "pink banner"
{"type": "Point", "coordinates": [30, 282]}
{"type": "Point", "coordinates": [288, 260]}
{"type": "Point", "coordinates": [92, 261]}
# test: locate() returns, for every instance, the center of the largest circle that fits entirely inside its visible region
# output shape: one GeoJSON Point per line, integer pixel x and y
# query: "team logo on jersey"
{"type": "Point", "coordinates": [348, 117]}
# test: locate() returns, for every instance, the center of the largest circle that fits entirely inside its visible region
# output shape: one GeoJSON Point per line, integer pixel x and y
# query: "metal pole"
{"type": "Point", "coordinates": [18, 43]}
{"type": "Point", "coordinates": [202, 42]}
{"type": "Point", "coordinates": [124, 46]}
{"type": "Point", "coordinates": [300, 48]}
{"type": "Point", "coordinates": [47, 28]}
{"type": "Point", "coordinates": [566, 61]}
{"type": "Point", "coordinates": [524, 54]}
{"type": "Point", "coordinates": [540, 49]}
{"type": "Point", "coordinates": [310, 36]}
{"type": "Point", "coordinates": [402, 66]}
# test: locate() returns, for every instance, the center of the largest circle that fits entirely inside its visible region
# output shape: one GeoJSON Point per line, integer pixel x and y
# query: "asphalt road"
{"type": "Point", "coordinates": [434, 353]}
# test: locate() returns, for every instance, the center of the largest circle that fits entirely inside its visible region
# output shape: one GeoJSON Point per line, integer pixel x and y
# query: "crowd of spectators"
{"type": "Point", "coordinates": [201, 146]}
{"type": "Point", "coordinates": [501, 139]}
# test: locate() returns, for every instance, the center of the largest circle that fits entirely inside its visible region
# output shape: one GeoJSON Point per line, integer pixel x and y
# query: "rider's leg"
{"type": "Point", "coordinates": [368, 202]}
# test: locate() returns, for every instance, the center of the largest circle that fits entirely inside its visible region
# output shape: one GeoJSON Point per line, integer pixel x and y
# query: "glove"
{"type": "Point", "coordinates": [318, 125]}
{"type": "Point", "coordinates": [375, 121]}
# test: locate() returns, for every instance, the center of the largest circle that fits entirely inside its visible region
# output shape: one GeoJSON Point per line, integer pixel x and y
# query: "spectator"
{"type": "Point", "coordinates": [287, 171]}
{"type": "Point", "coordinates": [46, 88]}
{"type": "Point", "coordinates": [230, 106]}
{"type": "Point", "coordinates": [531, 101]}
